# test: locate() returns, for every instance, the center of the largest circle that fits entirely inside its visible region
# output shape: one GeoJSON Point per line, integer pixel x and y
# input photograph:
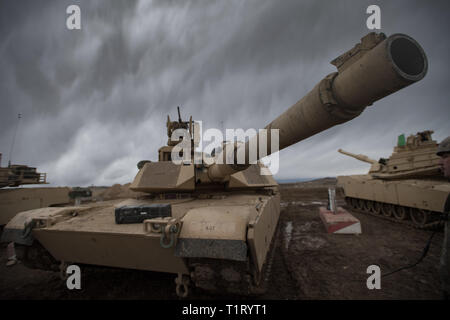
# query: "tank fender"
{"type": "Point", "coordinates": [19, 228]}
{"type": "Point", "coordinates": [262, 229]}
{"type": "Point", "coordinates": [215, 232]}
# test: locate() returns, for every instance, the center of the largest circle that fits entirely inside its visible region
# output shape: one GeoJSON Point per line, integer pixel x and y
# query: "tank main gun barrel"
{"type": "Point", "coordinates": [374, 68]}
{"type": "Point", "coordinates": [360, 157]}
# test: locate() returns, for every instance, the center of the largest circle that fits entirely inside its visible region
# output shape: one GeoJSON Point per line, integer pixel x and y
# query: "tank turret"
{"type": "Point", "coordinates": [15, 175]}
{"type": "Point", "coordinates": [414, 157]}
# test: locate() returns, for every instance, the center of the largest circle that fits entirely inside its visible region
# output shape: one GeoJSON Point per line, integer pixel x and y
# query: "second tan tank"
{"type": "Point", "coordinates": [407, 187]}
{"type": "Point", "coordinates": [14, 200]}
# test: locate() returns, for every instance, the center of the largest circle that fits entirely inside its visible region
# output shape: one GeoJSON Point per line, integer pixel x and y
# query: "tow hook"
{"type": "Point", "coordinates": [183, 282]}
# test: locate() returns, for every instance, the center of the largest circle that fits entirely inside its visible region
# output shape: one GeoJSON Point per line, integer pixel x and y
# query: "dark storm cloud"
{"type": "Point", "coordinates": [94, 101]}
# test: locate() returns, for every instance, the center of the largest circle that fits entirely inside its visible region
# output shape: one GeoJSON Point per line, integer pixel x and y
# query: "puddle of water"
{"type": "Point", "coordinates": [288, 234]}
{"type": "Point", "coordinates": [300, 203]}
{"type": "Point", "coordinates": [306, 226]}
{"type": "Point", "coordinates": [311, 242]}
{"type": "Point", "coordinates": [300, 236]}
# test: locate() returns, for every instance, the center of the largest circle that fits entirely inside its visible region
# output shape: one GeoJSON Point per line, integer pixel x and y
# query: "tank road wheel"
{"type": "Point", "coordinates": [387, 209]}
{"type": "Point", "coordinates": [37, 257]}
{"type": "Point", "coordinates": [354, 203]}
{"type": "Point", "coordinates": [376, 207]}
{"type": "Point", "coordinates": [400, 213]}
{"type": "Point", "coordinates": [419, 216]}
{"type": "Point", "coordinates": [368, 205]}
{"type": "Point", "coordinates": [360, 204]}
{"type": "Point", "coordinates": [348, 201]}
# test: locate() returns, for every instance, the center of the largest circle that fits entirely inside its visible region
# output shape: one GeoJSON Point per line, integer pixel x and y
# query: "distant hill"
{"type": "Point", "coordinates": [311, 183]}
{"type": "Point", "coordinates": [283, 181]}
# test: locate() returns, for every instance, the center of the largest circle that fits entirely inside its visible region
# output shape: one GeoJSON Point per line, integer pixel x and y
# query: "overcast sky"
{"type": "Point", "coordinates": [94, 101]}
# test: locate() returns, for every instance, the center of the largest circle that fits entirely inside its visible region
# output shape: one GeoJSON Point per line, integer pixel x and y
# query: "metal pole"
{"type": "Point", "coordinates": [19, 116]}
{"type": "Point", "coordinates": [332, 200]}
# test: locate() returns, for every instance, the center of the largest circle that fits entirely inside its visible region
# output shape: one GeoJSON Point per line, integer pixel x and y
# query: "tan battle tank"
{"type": "Point", "coordinates": [408, 187]}
{"type": "Point", "coordinates": [213, 224]}
{"type": "Point", "coordinates": [14, 200]}
{"type": "Point", "coordinates": [16, 175]}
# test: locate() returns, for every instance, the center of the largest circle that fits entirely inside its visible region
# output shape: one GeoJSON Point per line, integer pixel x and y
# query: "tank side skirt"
{"type": "Point", "coordinates": [429, 226]}
{"type": "Point", "coordinates": [398, 193]}
{"type": "Point", "coordinates": [114, 250]}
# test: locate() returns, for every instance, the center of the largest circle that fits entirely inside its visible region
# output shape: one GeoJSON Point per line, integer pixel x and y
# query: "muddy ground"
{"type": "Point", "coordinates": [308, 264]}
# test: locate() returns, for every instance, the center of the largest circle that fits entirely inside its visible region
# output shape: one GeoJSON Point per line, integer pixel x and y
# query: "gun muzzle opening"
{"type": "Point", "coordinates": [407, 56]}
{"type": "Point", "coordinates": [393, 64]}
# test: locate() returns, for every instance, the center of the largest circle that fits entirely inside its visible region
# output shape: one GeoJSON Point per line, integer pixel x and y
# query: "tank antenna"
{"type": "Point", "coordinates": [179, 115]}
{"type": "Point", "coordinates": [19, 116]}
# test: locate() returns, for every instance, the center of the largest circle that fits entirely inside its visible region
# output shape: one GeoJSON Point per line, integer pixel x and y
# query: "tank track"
{"type": "Point", "coordinates": [432, 220]}
{"type": "Point", "coordinates": [36, 257]}
{"type": "Point", "coordinates": [212, 275]}
{"type": "Point", "coordinates": [238, 278]}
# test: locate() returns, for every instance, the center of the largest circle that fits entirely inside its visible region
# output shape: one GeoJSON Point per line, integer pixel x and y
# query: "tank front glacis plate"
{"type": "Point", "coordinates": [91, 236]}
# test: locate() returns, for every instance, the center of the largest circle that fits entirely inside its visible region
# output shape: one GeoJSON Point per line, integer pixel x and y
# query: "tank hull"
{"type": "Point", "coordinates": [397, 199]}
{"type": "Point", "coordinates": [13, 201]}
{"type": "Point", "coordinates": [240, 239]}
